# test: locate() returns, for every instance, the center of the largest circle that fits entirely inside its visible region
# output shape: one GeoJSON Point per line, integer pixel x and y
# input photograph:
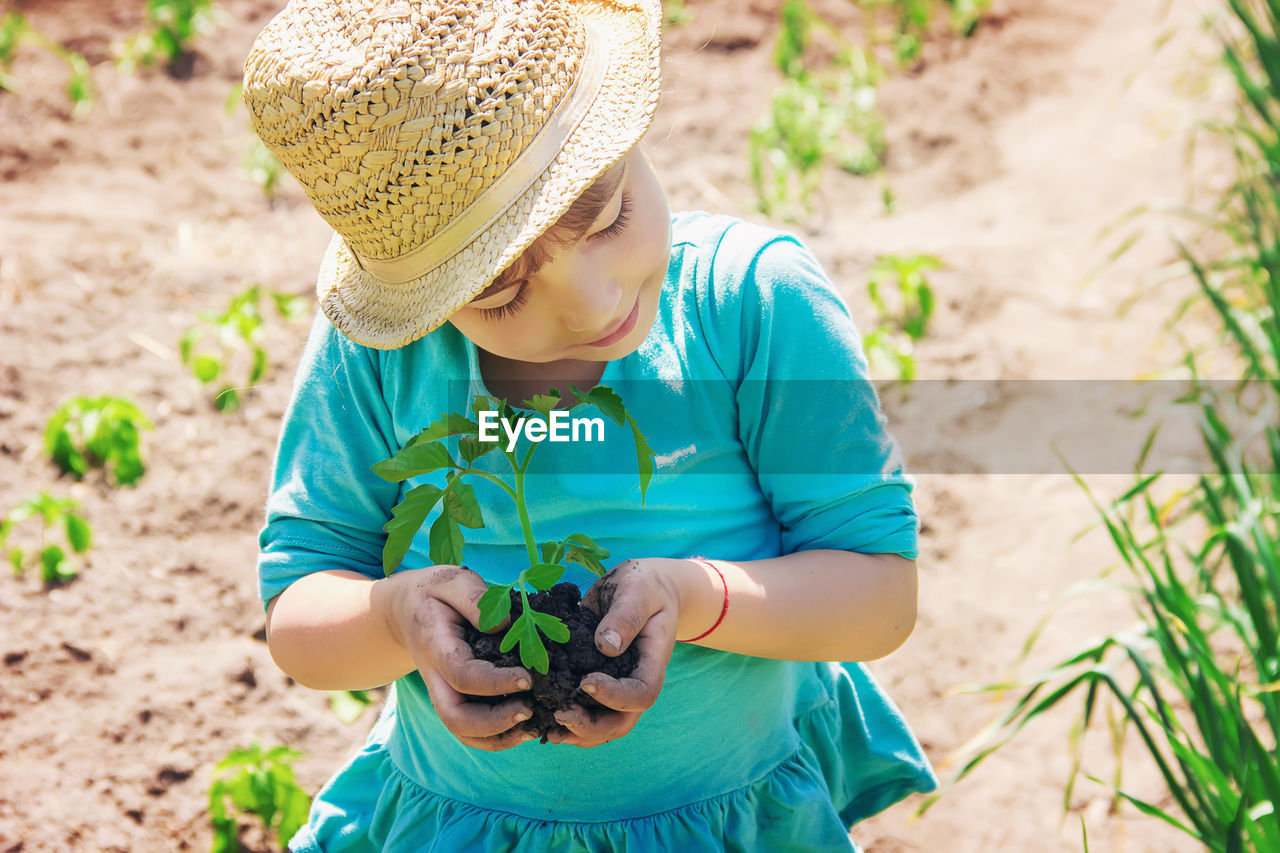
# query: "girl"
{"type": "Point", "coordinates": [498, 232]}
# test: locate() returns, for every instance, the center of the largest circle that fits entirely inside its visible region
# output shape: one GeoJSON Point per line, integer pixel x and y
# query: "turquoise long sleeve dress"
{"type": "Point", "coordinates": [752, 390]}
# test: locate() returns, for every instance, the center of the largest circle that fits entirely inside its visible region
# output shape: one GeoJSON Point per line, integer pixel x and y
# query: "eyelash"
{"type": "Point", "coordinates": [517, 302]}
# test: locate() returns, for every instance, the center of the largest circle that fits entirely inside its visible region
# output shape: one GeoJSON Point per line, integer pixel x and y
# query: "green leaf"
{"type": "Point", "coordinates": [587, 545]}
{"type": "Point", "coordinates": [460, 502]}
{"type": "Point", "coordinates": [227, 399]}
{"type": "Point", "coordinates": [54, 567]}
{"type": "Point", "coordinates": [644, 456]}
{"type": "Point", "coordinates": [556, 631]}
{"type": "Point", "coordinates": [525, 634]}
{"type": "Point", "coordinates": [413, 460]}
{"type": "Point", "coordinates": [291, 308]}
{"type": "Point", "coordinates": [451, 424]}
{"type": "Point", "coordinates": [543, 576]}
{"type": "Point", "coordinates": [187, 343]}
{"type": "Point", "coordinates": [472, 448]}
{"type": "Point", "coordinates": [206, 367]}
{"type": "Point", "coordinates": [446, 541]}
{"type": "Point", "coordinates": [544, 403]}
{"type": "Point", "coordinates": [78, 533]}
{"type": "Point", "coordinates": [494, 606]}
{"type": "Point", "coordinates": [408, 516]}
{"type": "Point", "coordinates": [607, 401]}
{"type": "Point", "coordinates": [551, 552]}
{"type": "Point", "coordinates": [16, 559]}
{"type": "Point", "coordinates": [259, 367]}
{"type": "Point", "coordinates": [587, 560]}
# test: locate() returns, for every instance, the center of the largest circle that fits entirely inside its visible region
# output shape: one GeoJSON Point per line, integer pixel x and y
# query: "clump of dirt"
{"type": "Point", "coordinates": [569, 661]}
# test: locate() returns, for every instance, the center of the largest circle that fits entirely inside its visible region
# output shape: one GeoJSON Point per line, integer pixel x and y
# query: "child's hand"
{"type": "Point", "coordinates": [639, 600]}
{"type": "Point", "coordinates": [427, 617]}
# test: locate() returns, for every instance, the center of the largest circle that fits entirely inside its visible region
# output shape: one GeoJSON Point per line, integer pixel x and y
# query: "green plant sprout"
{"type": "Point", "coordinates": [15, 32]}
{"type": "Point", "coordinates": [104, 432]}
{"type": "Point", "coordinates": [815, 117]}
{"type": "Point", "coordinates": [54, 513]}
{"type": "Point", "coordinates": [256, 783]}
{"type": "Point", "coordinates": [900, 292]}
{"type": "Point", "coordinates": [675, 13]}
{"type": "Point", "coordinates": [174, 25]}
{"type": "Point", "coordinates": [428, 451]}
{"type": "Point", "coordinates": [825, 112]}
{"type": "Point", "coordinates": [238, 328]}
{"type": "Point", "coordinates": [912, 20]}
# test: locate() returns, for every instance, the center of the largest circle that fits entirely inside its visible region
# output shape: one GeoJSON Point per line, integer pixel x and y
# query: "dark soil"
{"type": "Point", "coordinates": [569, 662]}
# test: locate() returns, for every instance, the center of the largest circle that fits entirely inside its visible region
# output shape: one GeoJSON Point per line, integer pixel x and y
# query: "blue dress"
{"type": "Point", "coordinates": [751, 388]}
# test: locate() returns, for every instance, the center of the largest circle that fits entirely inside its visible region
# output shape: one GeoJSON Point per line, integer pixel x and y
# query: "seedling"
{"type": "Point", "coordinates": [103, 432]}
{"type": "Point", "coordinates": [816, 117]}
{"type": "Point", "coordinates": [901, 293]}
{"type": "Point", "coordinates": [824, 112]}
{"type": "Point", "coordinates": [258, 162]}
{"type": "Point", "coordinates": [256, 783]}
{"type": "Point", "coordinates": [237, 329]}
{"type": "Point", "coordinates": [16, 32]}
{"type": "Point", "coordinates": [54, 514]}
{"type": "Point", "coordinates": [428, 451]}
{"type": "Point", "coordinates": [174, 25]}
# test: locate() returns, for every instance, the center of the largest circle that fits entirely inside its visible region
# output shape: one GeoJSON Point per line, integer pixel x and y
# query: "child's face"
{"type": "Point", "coordinates": [608, 280]}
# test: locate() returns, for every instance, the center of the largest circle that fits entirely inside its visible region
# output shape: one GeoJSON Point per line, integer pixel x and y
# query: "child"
{"type": "Point", "coordinates": [498, 231]}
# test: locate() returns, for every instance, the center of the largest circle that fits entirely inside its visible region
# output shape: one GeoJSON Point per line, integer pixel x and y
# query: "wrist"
{"type": "Point", "coordinates": [385, 597]}
{"type": "Point", "coordinates": [702, 596]}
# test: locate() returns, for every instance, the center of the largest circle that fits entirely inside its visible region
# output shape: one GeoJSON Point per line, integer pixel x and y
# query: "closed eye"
{"type": "Point", "coordinates": [619, 224]}
{"type": "Point", "coordinates": [508, 308]}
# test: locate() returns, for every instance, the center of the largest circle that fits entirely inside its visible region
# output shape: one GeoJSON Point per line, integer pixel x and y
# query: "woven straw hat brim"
{"type": "Point", "coordinates": [382, 315]}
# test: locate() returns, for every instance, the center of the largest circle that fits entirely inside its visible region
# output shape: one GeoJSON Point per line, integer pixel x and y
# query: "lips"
{"type": "Point", "coordinates": [622, 331]}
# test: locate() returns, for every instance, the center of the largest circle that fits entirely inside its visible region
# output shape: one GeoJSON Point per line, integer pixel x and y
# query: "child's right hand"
{"type": "Point", "coordinates": [425, 615]}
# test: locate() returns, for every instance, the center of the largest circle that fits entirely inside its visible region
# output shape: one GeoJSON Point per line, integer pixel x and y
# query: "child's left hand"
{"type": "Point", "coordinates": [639, 601]}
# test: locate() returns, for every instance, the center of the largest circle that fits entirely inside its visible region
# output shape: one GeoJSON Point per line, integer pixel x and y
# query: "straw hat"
{"type": "Point", "coordinates": [440, 138]}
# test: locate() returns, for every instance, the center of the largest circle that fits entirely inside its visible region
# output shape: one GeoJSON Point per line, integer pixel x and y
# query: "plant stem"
{"type": "Point", "coordinates": [523, 511]}
{"type": "Point", "coordinates": [501, 484]}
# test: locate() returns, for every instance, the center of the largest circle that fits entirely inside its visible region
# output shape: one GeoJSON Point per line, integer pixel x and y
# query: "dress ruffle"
{"type": "Point", "coordinates": [837, 776]}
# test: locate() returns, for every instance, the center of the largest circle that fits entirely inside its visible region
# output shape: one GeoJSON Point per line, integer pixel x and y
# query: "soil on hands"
{"type": "Point", "coordinates": [569, 662]}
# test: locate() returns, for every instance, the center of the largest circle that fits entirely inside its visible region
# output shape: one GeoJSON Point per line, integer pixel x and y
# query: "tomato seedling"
{"type": "Point", "coordinates": [54, 514]}
{"type": "Point", "coordinates": [16, 32]}
{"type": "Point", "coordinates": [237, 329]}
{"type": "Point", "coordinates": [103, 432]}
{"type": "Point", "coordinates": [428, 451]}
{"type": "Point", "coordinates": [261, 783]}
{"type": "Point", "coordinates": [174, 25]}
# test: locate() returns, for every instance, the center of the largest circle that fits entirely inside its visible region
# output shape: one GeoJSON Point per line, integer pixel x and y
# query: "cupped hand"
{"type": "Point", "coordinates": [427, 617]}
{"type": "Point", "coordinates": [639, 602]}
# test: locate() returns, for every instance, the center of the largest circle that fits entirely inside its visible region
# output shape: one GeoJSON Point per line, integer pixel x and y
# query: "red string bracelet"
{"type": "Point", "coordinates": [724, 608]}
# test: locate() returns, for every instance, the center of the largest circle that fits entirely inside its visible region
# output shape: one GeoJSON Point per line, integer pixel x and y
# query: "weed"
{"type": "Point", "coordinates": [901, 293]}
{"type": "Point", "coordinates": [103, 432]}
{"type": "Point", "coordinates": [1198, 676]}
{"type": "Point", "coordinates": [174, 25]}
{"type": "Point", "coordinates": [237, 329]}
{"type": "Point", "coordinates": [825, 113]}
{"type": "Point", "coordinates": [250, 781]}
{"type": "Point", "coordinates": [16, 32]}
{"type": "Point", "coordinates": [54, 514]}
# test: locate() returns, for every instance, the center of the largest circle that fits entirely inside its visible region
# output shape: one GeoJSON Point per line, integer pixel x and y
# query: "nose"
{"type": "Point", "coordinates": [587, 299]}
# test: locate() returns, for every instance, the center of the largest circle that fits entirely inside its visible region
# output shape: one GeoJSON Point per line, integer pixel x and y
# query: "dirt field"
{"type": "Point", "coordinates": [1009, 153]}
